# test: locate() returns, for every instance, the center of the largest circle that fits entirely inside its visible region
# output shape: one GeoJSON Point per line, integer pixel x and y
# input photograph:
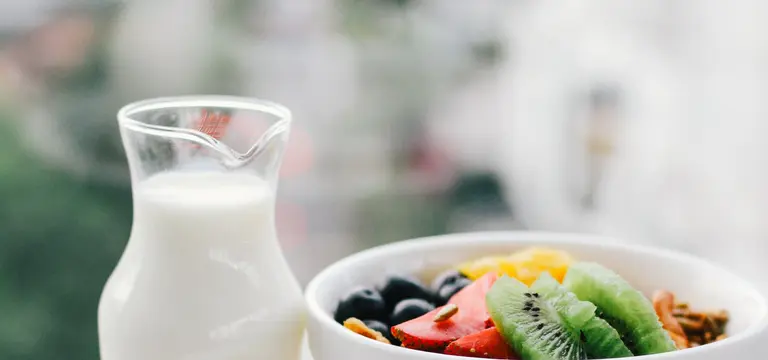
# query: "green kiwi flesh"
{"type": "Point", "coordinates": [575, 312]}
{"type": "Point", "coordinates": [620, 305]}
{"type": "Point", "coordinates": [531, 324]}
{"type": "Point", "coordinates": [600, 340]}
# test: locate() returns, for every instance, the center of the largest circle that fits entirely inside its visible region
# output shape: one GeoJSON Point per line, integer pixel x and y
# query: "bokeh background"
{"type": "Point", "coordinates": [644, 120]}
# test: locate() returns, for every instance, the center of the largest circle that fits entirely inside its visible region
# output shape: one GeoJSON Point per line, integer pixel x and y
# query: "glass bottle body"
{"type": "Point", "coordinates": [203, 275]}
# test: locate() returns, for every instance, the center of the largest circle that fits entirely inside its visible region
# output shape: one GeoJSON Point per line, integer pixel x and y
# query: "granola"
{"type": "Point", "coordinates": [689, 328]}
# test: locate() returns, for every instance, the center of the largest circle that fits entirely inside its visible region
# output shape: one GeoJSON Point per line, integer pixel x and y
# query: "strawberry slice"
{"type": "Point", "coordinates": [488, 344]}
{"type": "Point", "coordinates": [423, 333]}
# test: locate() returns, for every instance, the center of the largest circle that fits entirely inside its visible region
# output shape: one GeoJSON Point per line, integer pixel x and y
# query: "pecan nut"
{"type": "Point", "coordinates": [664, 304]}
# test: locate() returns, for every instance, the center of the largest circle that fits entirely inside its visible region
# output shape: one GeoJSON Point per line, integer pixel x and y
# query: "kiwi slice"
{"type": "Point", "coordinates": [531, 324]}
{"type": "Point", "coordinates": [575, 312]}
{"type": "Point", "coordinates": [600, 339]}
{"type": "Point", "coordinates": [624, 308]}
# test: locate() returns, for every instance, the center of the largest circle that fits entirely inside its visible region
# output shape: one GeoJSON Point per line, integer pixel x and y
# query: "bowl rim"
{"type": "Point", "coordinates": [540, 237]}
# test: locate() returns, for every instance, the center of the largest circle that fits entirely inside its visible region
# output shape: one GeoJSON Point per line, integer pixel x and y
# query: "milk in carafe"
{"type": "Point", "coordinates": [202, 276]}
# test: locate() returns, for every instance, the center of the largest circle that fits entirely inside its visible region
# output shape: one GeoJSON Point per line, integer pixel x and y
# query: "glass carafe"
{"type": "Point", "coordinates": [203, 276]}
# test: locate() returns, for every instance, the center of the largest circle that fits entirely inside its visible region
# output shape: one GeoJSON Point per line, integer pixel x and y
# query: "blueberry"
{"type": "Point", "coordinates": [361, 303]}
{"type": "Point", "coordinates": [400, 287]}
{"type": "Point", "coordinates": [383, 329]}
{"type": "Point", "coordinates": [448, 290]}
{"type": "Point", "coordinates": [409, 309]}
{"type": "Point", "coordinates": [445, 278]}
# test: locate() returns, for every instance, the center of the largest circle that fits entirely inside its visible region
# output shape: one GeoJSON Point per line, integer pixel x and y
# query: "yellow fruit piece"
{"type": "Point", "coordinates": [475, 269]}
{"type": "Point", "coordinates": [531, 262]}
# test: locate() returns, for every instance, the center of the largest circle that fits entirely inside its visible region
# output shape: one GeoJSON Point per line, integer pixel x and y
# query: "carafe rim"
{"type": "Point", "coordinates": [223, 101]}
{"type": "Point", "coordinates": [235, 159]}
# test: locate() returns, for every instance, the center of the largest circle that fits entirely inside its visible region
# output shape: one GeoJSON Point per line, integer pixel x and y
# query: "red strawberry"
{"type": "Point", "coordinates": [487, 344]}
{"type": "Point", "coordinates": [424, 333]}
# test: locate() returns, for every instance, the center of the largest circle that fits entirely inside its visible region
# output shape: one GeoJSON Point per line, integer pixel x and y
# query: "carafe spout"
{"type": "Point", "coordinates": [212, 133]}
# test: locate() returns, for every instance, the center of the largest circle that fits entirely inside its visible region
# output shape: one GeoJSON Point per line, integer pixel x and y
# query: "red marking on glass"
{"type": "Point", "coordinates": [213, 124]}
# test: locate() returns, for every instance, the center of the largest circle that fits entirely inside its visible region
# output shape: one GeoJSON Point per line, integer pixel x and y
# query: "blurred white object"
{"type": "Point", "coordinates": [460, 120]}
{"type": "Point", "coordinates": [680, 161]}
{"type": "Point", "coordinates": [163, 47]}
{"type": "Point", "coordinates": [17, 16]}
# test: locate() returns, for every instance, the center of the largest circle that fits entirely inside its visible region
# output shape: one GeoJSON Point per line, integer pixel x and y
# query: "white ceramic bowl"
{"type": "Point", "coordinates": [699, 282]}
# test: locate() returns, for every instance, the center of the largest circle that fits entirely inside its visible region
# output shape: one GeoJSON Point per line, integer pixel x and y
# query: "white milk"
{"type": "Point", "coordinates": [203, 277]}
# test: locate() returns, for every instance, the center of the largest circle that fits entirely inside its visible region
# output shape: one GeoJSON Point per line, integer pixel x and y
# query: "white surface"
{"type": "Point", "coordinates": [305, 354]}
{"type": "Point", "coordinates": [688, 171]}
{"type": "Point", "coordinates": [203, 276]}
{"type": "Point", "coordinates": [699, 282]}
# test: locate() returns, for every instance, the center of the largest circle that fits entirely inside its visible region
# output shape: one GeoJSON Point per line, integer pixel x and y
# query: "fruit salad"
{"type": "Point", "coordinates": [534, 304]}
